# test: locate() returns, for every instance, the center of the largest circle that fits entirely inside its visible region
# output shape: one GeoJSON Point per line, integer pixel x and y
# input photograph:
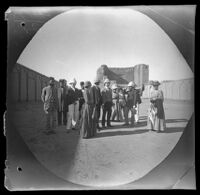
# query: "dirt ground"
{"type": "Point", "coordinates": [115, 156]}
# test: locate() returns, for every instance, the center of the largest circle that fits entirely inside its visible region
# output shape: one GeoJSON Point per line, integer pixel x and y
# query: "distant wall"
{"type": "Point", "coordinates": [24, 84]}
{"type": "Point", "coordinates": [176, 90]}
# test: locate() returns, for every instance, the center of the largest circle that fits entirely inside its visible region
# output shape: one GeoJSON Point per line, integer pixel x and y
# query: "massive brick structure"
{"type": "Point", "coordinates": [139, 74]}
{"type": "Point", "coordinates": [25, 84]}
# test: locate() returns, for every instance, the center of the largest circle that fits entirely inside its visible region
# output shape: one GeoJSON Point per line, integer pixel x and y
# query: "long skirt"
{"type": "Point", "coordinates": [156, 121]}
{"type": "Point", "coordinates": [87, 122]}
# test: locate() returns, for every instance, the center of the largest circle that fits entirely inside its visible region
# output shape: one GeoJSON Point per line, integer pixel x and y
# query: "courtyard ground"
{"type": "Point", "coordinates": [114, 156]}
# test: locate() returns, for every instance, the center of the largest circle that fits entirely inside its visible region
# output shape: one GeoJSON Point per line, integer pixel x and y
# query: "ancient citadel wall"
{"type": "Point", "coordinates": [24, 84]}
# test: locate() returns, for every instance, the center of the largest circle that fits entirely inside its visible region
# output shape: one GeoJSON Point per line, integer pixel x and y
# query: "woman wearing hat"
{"type": "Point", "coordinates": [156, 118]}
{"type": "Point", "coordinates": [87, 121]}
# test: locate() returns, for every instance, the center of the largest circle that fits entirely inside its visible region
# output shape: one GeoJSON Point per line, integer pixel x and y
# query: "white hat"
{"type": "Point", "coordinates": [114, 86]}
{"type": "Point", "coordinates": [106, 81]}
{"type": "Point", "coordinates": [72, 81]}
{"type": "Point", "coordinates": [131, 84]}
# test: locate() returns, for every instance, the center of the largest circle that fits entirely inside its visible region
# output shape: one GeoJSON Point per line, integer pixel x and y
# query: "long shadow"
{"type": "Point", "coordinates": [116, 133]}
{"type": "Point", "coordinates": [143, 117]}
{"type": "Point", "coordinates": [175, 120]}
{"type": "Point", "coordinates": [173, 130]}
{"type": "Point", "coordinates": [118, 126]}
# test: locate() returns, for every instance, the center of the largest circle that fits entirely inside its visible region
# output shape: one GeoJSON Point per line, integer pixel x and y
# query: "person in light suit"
{"type": "Point", "coordinates": [49, 97]}
{"type": "Point", "coordinates": [73, 106]}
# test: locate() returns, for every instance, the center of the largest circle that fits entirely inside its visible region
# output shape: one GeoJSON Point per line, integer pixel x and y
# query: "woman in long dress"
{"type": "Point", "coordinates": [87, 121]}
{"type": "Point", "coordinates": [156, 115]}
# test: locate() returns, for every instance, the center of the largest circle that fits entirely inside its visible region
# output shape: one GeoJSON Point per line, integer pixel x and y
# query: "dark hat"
{"type": "Point", "coordinates": [87, 84]}
{"type": "Point", "coordinates": [96, 81]}
{"type": "Point", "coordinates": [82, 83]}
{"type": "Point", "coordinates": [51, 78]}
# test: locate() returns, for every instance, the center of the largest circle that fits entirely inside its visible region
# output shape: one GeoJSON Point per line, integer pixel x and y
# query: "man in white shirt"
{"type": "Point", "coordinates": [73, 106]}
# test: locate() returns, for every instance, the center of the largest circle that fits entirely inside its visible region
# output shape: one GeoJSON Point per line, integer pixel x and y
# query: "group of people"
{"type": "Point", "coordinates": [80, 109]}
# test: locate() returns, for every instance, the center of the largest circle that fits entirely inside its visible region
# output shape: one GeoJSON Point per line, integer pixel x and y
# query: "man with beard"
{"type": "Point", "coordinates": [50, 98]}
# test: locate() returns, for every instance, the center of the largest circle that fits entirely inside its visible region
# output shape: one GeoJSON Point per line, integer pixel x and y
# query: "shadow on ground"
{"type": "Point", "coordinates": [175, 120]}
{"type": "Point", "coordinates": [117, 133]}
{"type": "Point", "coordinates": [174, 129]}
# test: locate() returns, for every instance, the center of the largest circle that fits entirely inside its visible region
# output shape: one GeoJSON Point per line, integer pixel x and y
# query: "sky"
{"type": "Point", "coordinates": [75, 43]}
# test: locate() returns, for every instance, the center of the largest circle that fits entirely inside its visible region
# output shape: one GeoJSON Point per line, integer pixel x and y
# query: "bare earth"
{"type": "Point", "coordinates": [115, 156]}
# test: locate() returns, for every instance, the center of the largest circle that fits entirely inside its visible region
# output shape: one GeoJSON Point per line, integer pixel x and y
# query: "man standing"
{"type": "Point", "coordinates": [65, 110]}
{"type": "Point", "coordinates": [97, 101]}
{"type": "Point", "coordinates": [81, 103]}
{"type": "Point", "coordinates": [106, 103]}
{"type": "Point", "coordinates": [73, 106]}
{"type": "Point", "coordinates": [115, 99]}
{"type": "Point", "coordinates": [50, 98]}
{"type": "Point", "coordinates": [130, 97]}
{"type": "Point", "coordinates": [139, 91]}
{"type": "Point", "coordinates": [81, 99]}
{"type": "Point", "coordinates": [62, 108]}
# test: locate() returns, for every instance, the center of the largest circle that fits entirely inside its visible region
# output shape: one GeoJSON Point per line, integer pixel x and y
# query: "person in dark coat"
{"type": "Point", "coordinates": [138, 91]}
{"type": "Point", "coordinates": [130, 97]}
{"type": "Point", "coordinates": [81, 99]}
{"type": "Point", "coordinates": [97, 102]}
{"type": "Point", "coordinates": [87, 122]}
{"type": "Point", "coordinates": [106, 94]}
{"type": "Point", "coordinates": [81, 104]}
{"type": "Point", "coordinates": [62, 108]}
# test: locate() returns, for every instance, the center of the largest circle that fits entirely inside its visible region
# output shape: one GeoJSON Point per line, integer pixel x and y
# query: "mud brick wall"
{"type": "Point", "coordinates": [175, 90]}
{"type": "Point", "coordinates": [24, 84]}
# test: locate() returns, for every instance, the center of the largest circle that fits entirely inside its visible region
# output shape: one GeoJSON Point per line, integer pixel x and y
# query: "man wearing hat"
{"type": "Point", "coordinates": [139, 91]}
{"type": "Point", "coordinates": [73, 106]}
{"type": "Point", "coordinates": [87, 127]}
{"type": "Point", "coordinates": [97, 100]}
{"type": "Point", "coordinates": [50, 98]}
{"type": "Point", "coordinates": [130, 97]}
{"type": "Point", "coordinates": [106, 94]}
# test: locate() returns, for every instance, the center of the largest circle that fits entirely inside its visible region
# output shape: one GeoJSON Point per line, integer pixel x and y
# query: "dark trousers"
{"type": "Point", "coordinates": [98, 111]}
{"type": "Point", "coordinates": [62, 117]}
{"type": "Point", "coordinates": [107, 109]}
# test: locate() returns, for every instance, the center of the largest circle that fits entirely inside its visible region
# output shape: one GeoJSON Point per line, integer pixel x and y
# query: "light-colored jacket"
{"type": "Point", "coordinates": [50, 98]}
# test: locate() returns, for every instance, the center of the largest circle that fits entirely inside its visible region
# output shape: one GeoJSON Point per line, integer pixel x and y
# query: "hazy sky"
{"type": "Point", "coordinates": [77, 42]}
